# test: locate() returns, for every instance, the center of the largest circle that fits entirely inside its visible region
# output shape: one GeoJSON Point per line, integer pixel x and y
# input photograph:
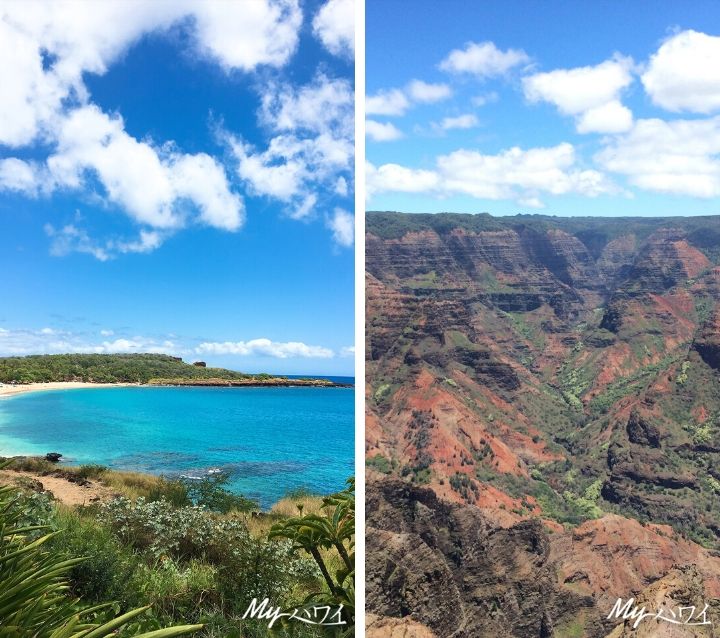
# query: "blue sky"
{"type": "Point", "coordinates": [568, 108]}
{"type": "Point", "coordinates": [178, 177]}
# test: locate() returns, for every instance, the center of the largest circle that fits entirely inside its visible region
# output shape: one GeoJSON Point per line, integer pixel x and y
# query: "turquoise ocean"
{"type": "Point", "coordinates": [270, 440]}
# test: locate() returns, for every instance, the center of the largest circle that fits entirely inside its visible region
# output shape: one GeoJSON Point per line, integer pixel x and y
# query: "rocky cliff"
{"type": "Point", "coordinates": [551, 374]}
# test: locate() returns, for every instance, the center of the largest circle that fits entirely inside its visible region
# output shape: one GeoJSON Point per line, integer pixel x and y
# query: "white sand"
{"type": "Point", "coordinates": [7, 390]}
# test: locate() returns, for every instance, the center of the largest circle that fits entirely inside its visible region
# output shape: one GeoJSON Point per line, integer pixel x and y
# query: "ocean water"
{"type": "Point", "coordinates": [271, 440]}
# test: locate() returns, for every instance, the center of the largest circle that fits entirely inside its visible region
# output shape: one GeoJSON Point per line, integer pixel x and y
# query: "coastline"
{"type": "Point", "coordinates": [9, 390]}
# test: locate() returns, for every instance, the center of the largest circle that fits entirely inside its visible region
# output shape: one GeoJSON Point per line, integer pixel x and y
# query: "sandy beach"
{"type": "Point", "coordinates": [7, 390]}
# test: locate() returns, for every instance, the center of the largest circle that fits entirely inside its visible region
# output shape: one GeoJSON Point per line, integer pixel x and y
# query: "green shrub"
{"type": "Point", "coordinates": [379, 463]}
{"type": "Point", "coordinates": [247, 567]}
{"type": "Point", "coordinates": [210, 492]}
{"type": "Point", "coordinates": [92, 471]}
{"type": "Point", "coordinates": [33, 585]}
{"type": "Point", "coordinates": [109, 566]}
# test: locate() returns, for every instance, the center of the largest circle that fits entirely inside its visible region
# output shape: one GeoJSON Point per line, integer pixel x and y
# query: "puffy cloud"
{"type": "Point", "coordinates": [45, 48]}
{"type": "Point", "coordinates": [334, 25]}
{"type": "Point", "coordinates": [201, 180]}
{"type": "Point", "coordinates": [342, 225]}
{"type": "Point", "coordinates": [468, 120]}
{"type": "Point", "coordinates": [511, 174]}
{"type": "Point", "coordinates": [244, 35]}
{"type": "Point", "coordinates": [679, 157]}
{"type": "Point", "coordinates": [399, 179]}
{"type": "Point", "coordinates": [19, 175]}
{"type": "Point", "coordinates": [589, 93]}
{"type": "Point", "coordinates": [550, 170]}
{"type": "Point", "coordinates": [20, 342]}
{"type": "Point", "coordinates": [684, 75]}
{"type": "Point", "coordinates": [325, 104]}
{"type": "Point", "coordinates": [396, 102]}
{"type": "Point", "coordinates": [483, 60]}
{"type": "Point", "coordinates": [148, 183]}
{"type": "Point", "coordinates": [313, 146]}
{"type": "Point", "coordinates": [420, 91]}
{"type": "Point", "coordinates": [381, 131]}
{"type": "Point", "coordinates": [611, 117]}
{"type": "Point", "coordinates": [265, 348]}
{"type": "Point", "coordinates": [391, 102]}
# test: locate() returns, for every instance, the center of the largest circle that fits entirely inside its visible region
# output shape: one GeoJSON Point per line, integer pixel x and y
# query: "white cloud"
{"type": "Point", "coordinates": [266, 348]}
{"type": "Point", "coordinates": [305, 207]}
{"type": "Point", "coordinates": [46, 51]}
{"type": "Point", "coordinates": [389, 102]}
{"type": "Point", "coordinates": [681, 157]}
{"type": "Point", "coordinates": [424, 92]}
{"type": "Point", "coordinates": [468, 120]}
{"type": "Point", "coordinates": [244, 35]}
{"type": "Point", "coordinates": [19, 175]}
{"type": "Point", "coordinates": [382, 131]}
{"type": "Point", "coordinates": [396, 102]}
{"type": "Point", "coordinates": [71, 238]}
{"type": "Point", "coordinates": [399, 179]}
{"type": "Point", "coordinates": [611, 117]}
{"type": "Point", "coordinates": [342, 225]}
{"type": "Point", "coordinates": [201, 180]}
{"type": "Point", "coordinates": [146, 242]}
{"type": "Point", "coordinates": [511, 174]}
{"type": "Point", "coordinates": [147, 182]}
{"type": "Point", "coordinates": [589, 93]}
{"type": "Point", "coordinates": [80, 40]}
{"type": "Point", "coordinates": [483, 59]}
{"type": "Point", "coordinates": [551, 170]}
{"type": "Point", "coordinates": [348, 351]}
{"type": "Point", "coordinates": [334, 25]}
{"type": "Point", "coordinates": [684, 74]}
{"type": "Point", "coordinates": [313, 146]}
{"type": "Point", "coordinates": [323, 105]}
{"type": "Point", "coordinates": [18, 342]}
{"type": "Point", "coordinates": [531, 202]}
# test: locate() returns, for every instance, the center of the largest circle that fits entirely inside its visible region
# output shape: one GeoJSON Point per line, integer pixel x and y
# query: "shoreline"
{"type": "Point", "coordinates": [11, 390]}
{"type": "Point", "coordinates": [69, 487]}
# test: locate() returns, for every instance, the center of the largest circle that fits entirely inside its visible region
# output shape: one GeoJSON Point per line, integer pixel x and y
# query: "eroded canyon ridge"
{"type": "Point", "coordinates": [543, 432]}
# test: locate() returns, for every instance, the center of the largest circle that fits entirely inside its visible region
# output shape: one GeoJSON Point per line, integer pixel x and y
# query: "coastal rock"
{"type": "Point", "coordinates": [53, 457]}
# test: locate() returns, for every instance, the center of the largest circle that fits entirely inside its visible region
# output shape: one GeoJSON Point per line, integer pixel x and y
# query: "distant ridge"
{"type": "Point", "coordinates": [152, 369]}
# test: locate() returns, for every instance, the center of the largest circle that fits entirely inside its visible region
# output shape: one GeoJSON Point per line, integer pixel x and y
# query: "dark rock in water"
{"type": "Point", "coordinates": [200, 364]}
{"type": "Point", "coordinates": [53, 457]}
